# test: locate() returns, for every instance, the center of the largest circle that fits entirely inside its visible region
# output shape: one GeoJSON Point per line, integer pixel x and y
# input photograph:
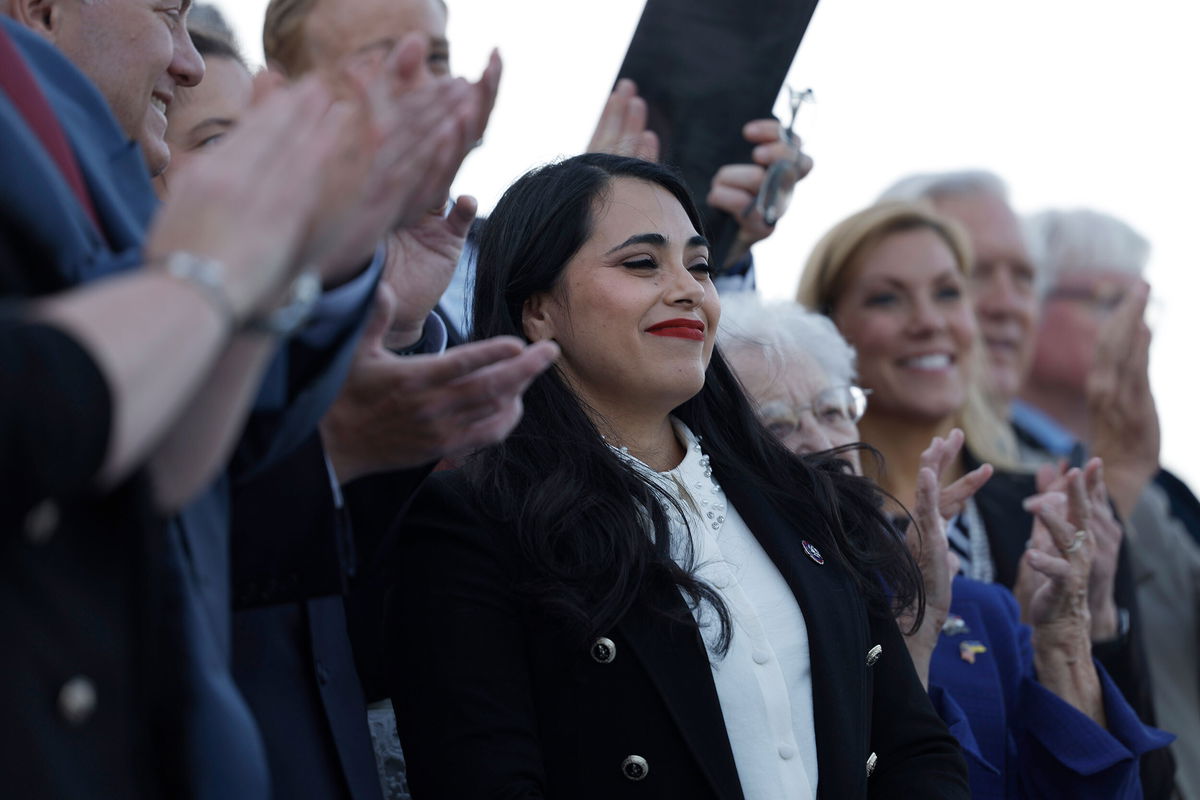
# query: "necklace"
{"type": "Point", "coordinates": [982, 568]}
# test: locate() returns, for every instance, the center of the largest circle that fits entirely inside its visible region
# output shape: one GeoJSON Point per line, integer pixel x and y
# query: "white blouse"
{"type": "Point", "coordinates": [764, 680]}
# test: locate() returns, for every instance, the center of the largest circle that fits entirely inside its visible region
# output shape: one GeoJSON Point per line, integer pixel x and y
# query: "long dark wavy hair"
{"type": "Point", "coordinates": [579, 510]}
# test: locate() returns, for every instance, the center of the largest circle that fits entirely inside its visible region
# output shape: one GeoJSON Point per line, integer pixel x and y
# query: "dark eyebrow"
{"type": "Point", "coordinates": [656, 239]}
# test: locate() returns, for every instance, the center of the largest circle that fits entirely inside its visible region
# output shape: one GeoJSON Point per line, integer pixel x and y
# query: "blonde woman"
{"type": "Point", "coordinates": [893, 278]}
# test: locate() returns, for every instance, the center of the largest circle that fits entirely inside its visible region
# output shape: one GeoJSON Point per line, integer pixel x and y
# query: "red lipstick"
{"type": "Point", "coordinates": [679, 328]}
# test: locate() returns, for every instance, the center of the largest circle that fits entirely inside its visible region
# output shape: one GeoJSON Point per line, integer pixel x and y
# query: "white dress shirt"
{"type": "Point", "coordinates": [764, 681]}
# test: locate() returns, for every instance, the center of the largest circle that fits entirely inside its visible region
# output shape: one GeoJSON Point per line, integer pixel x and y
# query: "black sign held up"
{"type": "Point", "coordinates": [705, 68]}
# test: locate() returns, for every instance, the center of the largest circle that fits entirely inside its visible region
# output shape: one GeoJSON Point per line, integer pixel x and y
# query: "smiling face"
{"type": "Point", "coordinates": [1002, 286]}
{"type": "Point", "coordinates": [201, 115]}
{"type": "Point", "coordinates": [634, 311]}
{"type": "Point", "coordinates": [904, 311]}
{"type": "Point", "coordinates": [137, 52]}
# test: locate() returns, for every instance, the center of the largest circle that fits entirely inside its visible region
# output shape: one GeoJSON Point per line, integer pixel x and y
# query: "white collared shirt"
{"type": "Point", "coordinates": [764, 681]}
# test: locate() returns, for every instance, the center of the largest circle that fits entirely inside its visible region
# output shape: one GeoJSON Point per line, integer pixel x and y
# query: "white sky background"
{"type": "Point", "coordinates": [1074, 102]}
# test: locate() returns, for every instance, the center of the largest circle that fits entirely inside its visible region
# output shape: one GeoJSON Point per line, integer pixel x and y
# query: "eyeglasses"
{"type": "Point", "coordinates": [1098, 301]}
{"type": "Point", "coordinates": [838, 407]}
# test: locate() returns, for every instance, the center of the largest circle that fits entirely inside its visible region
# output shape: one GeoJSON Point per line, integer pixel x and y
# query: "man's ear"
{"type": "Point", "coordinates": [42, 16]}
{"type": "Point", "coordinates": [536, 320]}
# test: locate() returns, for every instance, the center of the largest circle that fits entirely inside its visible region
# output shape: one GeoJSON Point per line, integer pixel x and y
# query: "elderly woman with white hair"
{"type": "Point", "coordinates": [1025, 725]}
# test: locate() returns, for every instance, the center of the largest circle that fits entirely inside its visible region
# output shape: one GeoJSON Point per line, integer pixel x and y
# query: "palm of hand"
{"type": "Point", "coordinates": [422, 259]}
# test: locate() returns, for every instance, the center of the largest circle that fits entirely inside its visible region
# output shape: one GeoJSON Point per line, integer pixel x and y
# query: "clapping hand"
{"type": "Point", "coordinates": [1052, 588]}
{"type": "Point", "coordinates": [413, 134]}
{"type": "Point", "coordinates": [926, 540]}
{"type": "Point", "coordinates": [1108, 534]}
{"type": "Point", "coordinates": [1052, 584]}
{"type": "Point", "coordinates": [249, 203]}
{"type": "Point", "coordinates": [421, 260]}
{"type": "Point", "coordinates": [1121, 411]}
{"type": "Point", "coordinates": [402, 411]}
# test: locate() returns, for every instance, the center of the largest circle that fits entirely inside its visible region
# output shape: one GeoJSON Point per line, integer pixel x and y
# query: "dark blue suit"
{"type": "Point", "coordinates": [141, 614]}
{"type": "Point", "coordinates": [1021, 740]}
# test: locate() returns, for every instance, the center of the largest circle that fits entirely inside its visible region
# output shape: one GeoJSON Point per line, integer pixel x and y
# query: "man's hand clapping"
{"type": "Point", "coordinates": [413, 135]}
{"type": "Point", "coordinates": [403, 411]}
{"type": "Point", "coordinates": [421, 260]}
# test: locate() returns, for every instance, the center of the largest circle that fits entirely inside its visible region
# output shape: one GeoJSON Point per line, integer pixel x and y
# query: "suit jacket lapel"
{"type": "Point", "coordinates": [113, 169]}
{"type": "Point", "coordinates": [47, 209]}
{"type": "Point", "coordinates": [834, 616]}
{"type": "Point", "coordinates": [675, 658]}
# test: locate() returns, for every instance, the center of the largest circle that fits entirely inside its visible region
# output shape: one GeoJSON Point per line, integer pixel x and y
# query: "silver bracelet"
{"type": "Point", "coordinates": [283, 321]}
{"type": "Point", "coordinates": [204, 273]}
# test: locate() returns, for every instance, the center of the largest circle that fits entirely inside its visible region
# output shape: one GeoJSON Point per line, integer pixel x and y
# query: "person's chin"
{"type": "Point", "coordinates": [1004, 382]}
{"type": "Point", "coordinates": [935, 407]}
{"type": "Point", "coordinates": [156, 153]}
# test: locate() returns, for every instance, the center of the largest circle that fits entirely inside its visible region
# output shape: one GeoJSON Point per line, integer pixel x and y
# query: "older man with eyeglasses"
{"type": "Point", "coordinates": [1089, 373]}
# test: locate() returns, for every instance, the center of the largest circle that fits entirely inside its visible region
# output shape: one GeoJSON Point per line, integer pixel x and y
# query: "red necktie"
{"type": "Point", "coordinates": [22, 89]}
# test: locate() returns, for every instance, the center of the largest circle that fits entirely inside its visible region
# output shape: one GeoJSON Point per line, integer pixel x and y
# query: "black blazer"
{"type": "Point", "coordinates": [492, 701]}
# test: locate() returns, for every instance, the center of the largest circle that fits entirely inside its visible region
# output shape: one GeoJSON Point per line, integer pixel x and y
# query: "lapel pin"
{"type": "Point", "coordinates": [955, 626]}
{"type": "Point", "coordinates": [968, 650]}
{"type": "Point", "coordinates": [812, 551]}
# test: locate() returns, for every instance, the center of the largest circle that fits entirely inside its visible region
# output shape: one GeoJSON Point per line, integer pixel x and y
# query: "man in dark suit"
{"type": "Point", "coordinates": [71, 230]}
{"type": "Point", "coordinates": [98, 666]}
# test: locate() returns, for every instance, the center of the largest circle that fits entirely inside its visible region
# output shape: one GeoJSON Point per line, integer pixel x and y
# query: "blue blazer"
{"type": "Point", "coordinates": [1021, 740]}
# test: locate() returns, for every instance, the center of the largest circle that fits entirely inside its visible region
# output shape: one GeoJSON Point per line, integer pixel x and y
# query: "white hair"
{"type": "Point", "coordinates": [782, 330]}
{"type": "Point", "coordinates": [1086, 240]}
{"type": "Point", "coordinates": [931, 186]}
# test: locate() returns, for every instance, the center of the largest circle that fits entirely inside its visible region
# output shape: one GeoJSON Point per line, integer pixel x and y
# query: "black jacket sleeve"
{"type": "Point", "coordinates": [457, 668]}
{"type": "Point", "coordinates": [55, 411]}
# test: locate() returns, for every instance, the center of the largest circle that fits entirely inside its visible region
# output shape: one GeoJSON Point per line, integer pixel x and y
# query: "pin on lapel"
{"type": "Point", "coordinates": [968, 650]}
{"type": "Point", "coordinates": [812, 551]}
{"type": "Point", "coordinates": [955, 626]}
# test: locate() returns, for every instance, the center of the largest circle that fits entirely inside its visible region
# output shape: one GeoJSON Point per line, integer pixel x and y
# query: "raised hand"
{"type": "Point", "coordinates": [413, 135]}
{"type": "Point", "coordinates": [735, 186]}
{"type": "Point", "coordinates": [249, 202]}
{"type": "Point", "coordinates": [1061, 550]}
{"type": "Point", "coordinates": [926, 540]}
{"type": "Point", "coordinates": [941, 455]}
{"type": "Point", "coordinates": [421, 260]}
{"type": "Point", "coordinates": [1121, 411]}
{"type": "Point", "coordinates": [1055, 603]}
{"type": "Point", "coordinates": [1108, 533]}
{"type": "Point", "coordinates": [402, 411]}
{"type": "Point", "coordinates": [621, 130]}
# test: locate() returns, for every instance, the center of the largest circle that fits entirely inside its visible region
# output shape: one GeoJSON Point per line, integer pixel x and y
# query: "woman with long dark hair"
{"type": "Point", "coordinates": [641, 592]}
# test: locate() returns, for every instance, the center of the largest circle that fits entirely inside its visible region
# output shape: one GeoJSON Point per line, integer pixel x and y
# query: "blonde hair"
{"type": "Point", "coordinates": [824, 281]}
{"type": "Point", "coordinates": [283, 35]}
